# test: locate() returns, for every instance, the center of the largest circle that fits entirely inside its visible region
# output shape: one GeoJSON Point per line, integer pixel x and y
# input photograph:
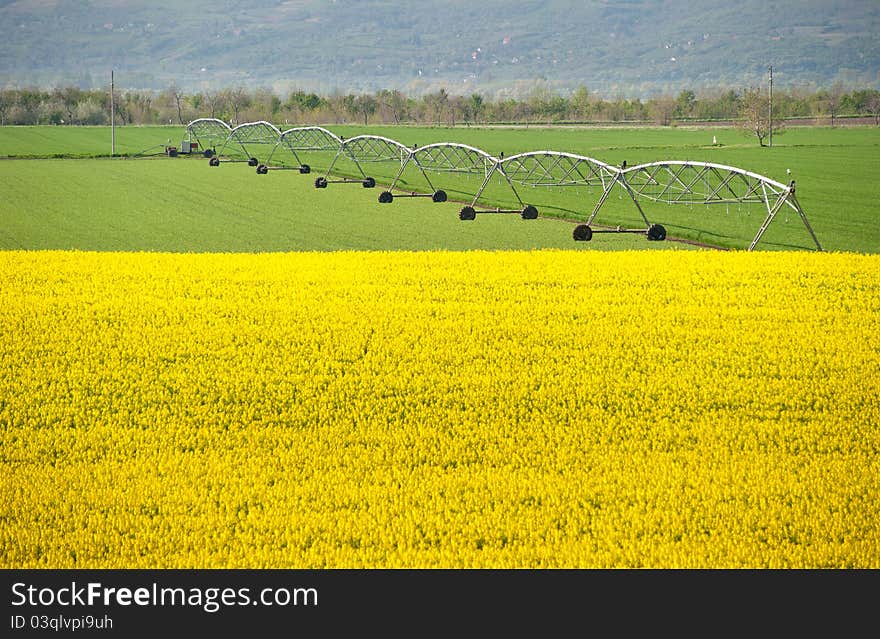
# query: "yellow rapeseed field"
{"type": "Point", "coordinates": [510, 409]}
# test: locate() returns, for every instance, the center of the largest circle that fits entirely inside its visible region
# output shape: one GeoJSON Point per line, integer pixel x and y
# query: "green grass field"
{"type": "Point", "coordinates": [182, 204]}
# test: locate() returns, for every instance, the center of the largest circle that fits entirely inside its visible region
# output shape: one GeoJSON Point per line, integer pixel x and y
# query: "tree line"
{"type": "Point", "coordinates": [75, 106]}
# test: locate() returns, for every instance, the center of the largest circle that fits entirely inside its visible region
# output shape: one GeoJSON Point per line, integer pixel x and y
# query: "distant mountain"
{"type": "Point", "coordinates": [635, 48]}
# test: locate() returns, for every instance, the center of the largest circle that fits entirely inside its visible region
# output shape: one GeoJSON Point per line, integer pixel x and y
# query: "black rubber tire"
{"type": "Point", "coordinates": [253, 162]}
{"type": "Point", "coordinates": [369, 183]}
{"type": "Point", "coordinates": [172, 153]}
{"type": "Point", "coordinates": [656, 233]}
{"type": "Point", "coordinates": [214, 161]}
{"type": "Point", "coordinates": [209, 153]}
{"type": "Point", "coordinates": [321, 183]}
{"type": "Point", "coordinates": [262, 169]}
{"type": "Point", "coordinates": [582, 233]}
{"type": "Point", "coordinates": [529, 212]}
{"type": "Point", "coordinates": [386, 197]}
{"type": "Point", "coordinates": [439, 196]}
{"type": "Point", "coordinates": [467, 213]}
{"type": "Point", "coordinates": [305, 168]}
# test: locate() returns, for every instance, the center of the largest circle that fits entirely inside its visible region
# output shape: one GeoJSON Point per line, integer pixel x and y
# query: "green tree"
{"type": "Point", "coordinates": [475, 107]}
{"type": "Point", "coordinates": [304, 102]}
{"type": "Point", "coordinates": [7, 100]}
{"type": "Point", "coordinates": [28, 105]}
{"type": "Point", "coordinates": [685, 104]}
{"type": "Point", "coordinates": [365, 105]}
{"type": "Point", "coordinates": [68, 98]}
{"type": "Point", "coordinates": [436, 104]}
{"type": "Point", "coordinates": [581, 103]}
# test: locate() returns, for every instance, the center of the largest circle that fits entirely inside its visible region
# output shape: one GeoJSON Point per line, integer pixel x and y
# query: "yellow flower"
{"type": "Point", "coordinates": [482, 409]}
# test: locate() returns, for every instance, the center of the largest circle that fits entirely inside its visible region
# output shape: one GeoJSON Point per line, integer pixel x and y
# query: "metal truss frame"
{"type": "Point", "coordinates": [546, 169]}
{"type": "Point", "coordinates": [556, 169]}
{"type": "Point", "coordinates": [442, 158]}
{"type": "Point", "coordinates": [302, 139]}
{"type": "Point", "coordinates": [364, 149]}
{"type": "Point", "coordinates": [692, 182]}
{"type": "Point", "coordinates": [208, 132]}
{"type": "Point", "coordinates": [248, 134]}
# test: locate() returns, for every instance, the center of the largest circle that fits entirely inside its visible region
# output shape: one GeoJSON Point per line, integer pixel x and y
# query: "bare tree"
{"type": "Point", "coordinates": [456, 107]}
{"type": "Point", "coordinates": [753, 114]}
{"type": "Point", "coordinates": [237, 100]}
{"type": "Point", "coordinates": [394, 102]}
{"type": "Point", "coordinates": [436, 104]}
{"type": "Point", "coordinates": [216, 102]}
{"type": "Point", "coordinates": [873, 106]}
{"type": "Point", "coordinates": [178, 95]}
{"type": "Point", "coordinates": [337, 104]}
{"type": "Point", "coordinates": [662, 109]}
{"type": "Point", "coordinates": [831, 100]}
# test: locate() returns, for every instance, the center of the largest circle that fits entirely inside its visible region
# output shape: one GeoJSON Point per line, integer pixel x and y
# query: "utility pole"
{"type": "Point", "coordinates": [770, 111]}
{"type": "Point", "coordinates": [112, 117]}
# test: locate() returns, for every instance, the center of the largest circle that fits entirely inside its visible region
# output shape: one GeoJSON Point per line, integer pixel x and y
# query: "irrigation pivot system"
{"type": "Point", "coordinates": [241, 141]}
{"type": "Point", "coordinates": [200, 138]}
{"type": "Point", "coordinates": [686, 182]}
{"type": "Point", "coordinates": [207, 134]}
{"type": "Point", "coordinates": [301, 140]}
{"type": "Point", "coordinates": [500, 179]}
{"type": "Point", "coordinates": [441, 158]}
{"type": "Point", "coordinates": [360, 150]}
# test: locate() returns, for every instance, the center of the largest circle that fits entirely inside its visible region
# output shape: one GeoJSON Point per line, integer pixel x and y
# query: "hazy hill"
{"type": "Point", "coordinates": [631, 47]}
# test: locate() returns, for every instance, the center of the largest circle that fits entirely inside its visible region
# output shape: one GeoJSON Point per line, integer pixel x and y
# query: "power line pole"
{"type": "Point", "coordinates": [112, 117]}
{"type": "Point", "coordinates": [770, 111]}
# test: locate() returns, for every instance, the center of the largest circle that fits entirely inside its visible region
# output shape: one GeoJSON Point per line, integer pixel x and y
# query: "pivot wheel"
{"type": "Point", "coordinates": [305, 168]}
{"type": "Point", "coordinates": [262, 169]}
{"type": "Point", "coordinates": [656, 233]}
{"type": "Point", "coordinates": [214, 161]}
{"type": "Point", "coordinates": [467, 213]}
{"type": "Point", "coordinates": [529, 212]}
{"type": "Point", "coordinates": [439, 196]}
{"type": "Point", "coordinates": [369, 183]}
{"type": "Point", "coordinates": [386, 197]}
{"type": "Point", "coordinates": [582, 233]}
{"type": "Point", "coordinates": [321, 183]}
{"type": "Point", "coordinates": [253, 162]}
{"type": "Point", "coordinates": [208, 153]}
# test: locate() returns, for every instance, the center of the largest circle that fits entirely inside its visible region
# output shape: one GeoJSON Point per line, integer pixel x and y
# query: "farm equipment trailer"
{"type": "Point", "coordinates": [186, 148]}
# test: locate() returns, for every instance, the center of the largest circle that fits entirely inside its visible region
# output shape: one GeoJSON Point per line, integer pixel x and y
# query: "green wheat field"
{"type": "Point", "coordinates": [62, 190]}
